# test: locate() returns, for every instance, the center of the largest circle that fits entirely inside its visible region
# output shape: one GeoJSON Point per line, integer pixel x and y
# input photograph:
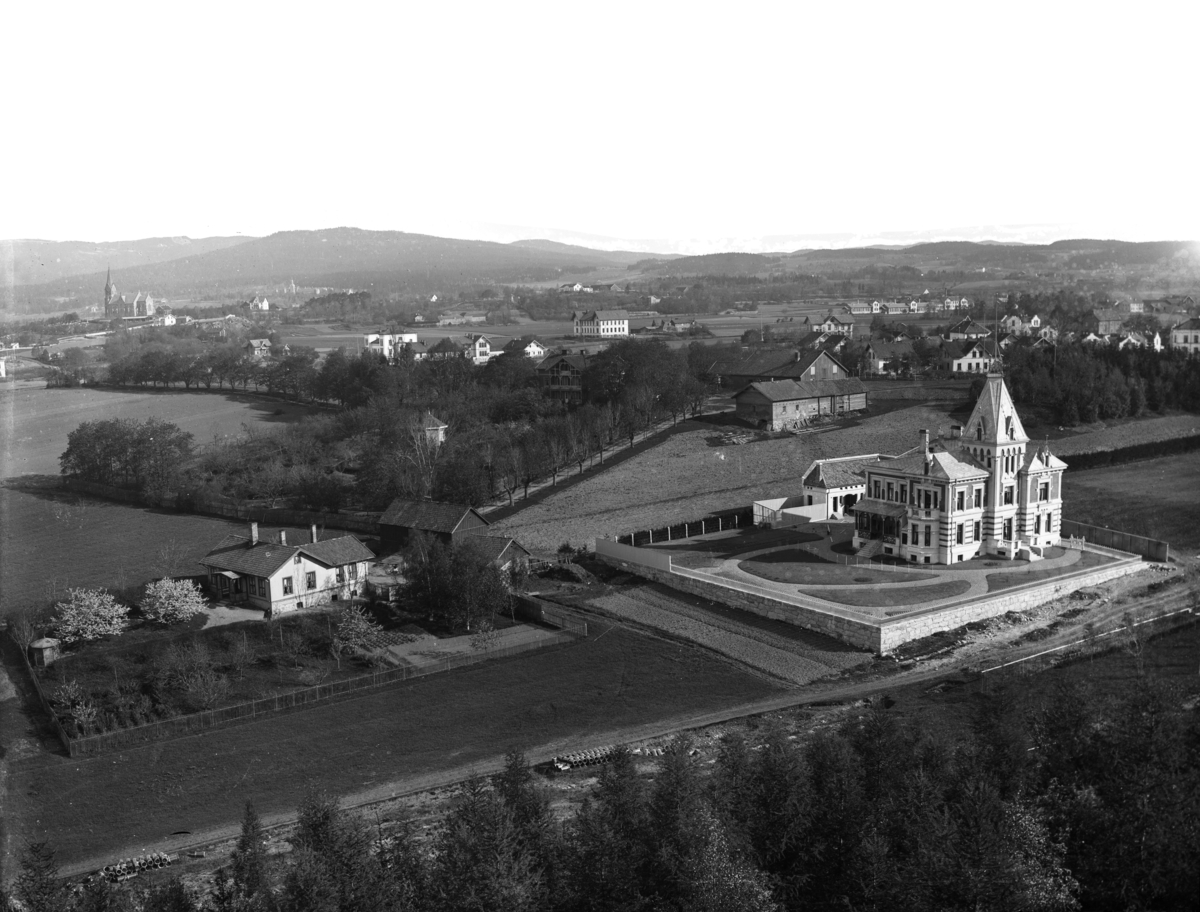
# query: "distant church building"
{"type": "Point", "coordinates": [118, 307]}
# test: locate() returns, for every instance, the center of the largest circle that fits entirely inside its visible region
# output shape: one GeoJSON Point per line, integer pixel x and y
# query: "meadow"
{"type": "Point", "coordinates": [50, 539]}
{"type": "Point", "coordinates": [613, 680]}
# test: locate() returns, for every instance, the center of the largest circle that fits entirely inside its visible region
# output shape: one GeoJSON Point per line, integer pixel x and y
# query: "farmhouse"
{"type": "Point", "coordinates": [605, 323]}
{"type": "Point", "coordinates": [780, 404]}
{"type": "Point", "coordinates": [882, 357]}
{"type": "Point", "coordinates": [278, 577]}
{"type": "Point", "coordinates": [444, 521]}
{"type": "Point", "coordinates": [561, 377]}
{"type": "Point", "coordinates": [981, 492]}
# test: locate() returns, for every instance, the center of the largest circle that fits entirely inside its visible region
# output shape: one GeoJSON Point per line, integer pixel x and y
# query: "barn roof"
{"type": "Point", "coordinates": [427, 515]}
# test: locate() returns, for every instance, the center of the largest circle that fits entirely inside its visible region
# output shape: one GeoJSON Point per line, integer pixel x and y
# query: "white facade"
{"type": "Point", "coordinates": [601, 323]}
{"type": "Point", "coordinates": [387, 344]}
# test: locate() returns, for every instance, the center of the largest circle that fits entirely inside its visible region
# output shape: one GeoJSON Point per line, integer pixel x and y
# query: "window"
{"type": "Point", "coordinates": [1008, 494]}
{"type": "Point", "coordinates": [287, 585]}
{"type": "Point", "coordinates": [890, 491]}
{"type": "Point", "coordinates": [354, 571]}
{"type": "Point", "coordinates": [978, 531]}
{"type": "Point", "coordinates": [959, 534]}
{"type": "Point", "coordinates": [262, 587]}
{"type": "Point", "coordinates": [916, 534]}
{"type": "Point", "coordinates": [1037, 524]}
{"type": "Point", "coordinates": [1047, 522]}
{"type": "Point", "coordinates": [341, 575]}
{"type": "Point", "coordinates": [1044, 492]}
{"type": "Point", "coordinates": [1008, 530]}
{"type": "Point", "coordinates": [927, 542]}
{"type": "Point", "coordinates": [978, 497]}
{"type": "Point", "coordinates": [904, 494]}
{"type": "Point", "coordinates": [876, 489]}
{"type": "Point", "coordinates": [962, 495]}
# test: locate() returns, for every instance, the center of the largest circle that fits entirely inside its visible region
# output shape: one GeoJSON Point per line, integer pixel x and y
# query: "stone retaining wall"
{"type": "Point", "coordinates": [880, 637]}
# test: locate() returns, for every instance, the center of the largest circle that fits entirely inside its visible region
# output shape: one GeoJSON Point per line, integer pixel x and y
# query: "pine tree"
{"type": "Point", "coordinates": [37, 885]}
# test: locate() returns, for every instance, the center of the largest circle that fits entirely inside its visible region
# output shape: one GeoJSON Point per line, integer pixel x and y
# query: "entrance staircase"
{"type": "Point", "coordinates": [870, 549]}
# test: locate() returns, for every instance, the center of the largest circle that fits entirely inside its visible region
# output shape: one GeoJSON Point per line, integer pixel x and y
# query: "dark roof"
{"type": "Point", "coordinates": [494, 547]}
{"type": "Point", "coordinates": [334, 552]}
{"type": "Point", "coordinates": [577, 361]}
{"type": "Point", "coordinates": [885, 351]}
{"type": "Point", "coordinates": [838, 473]}
{"type": "Point", "coordinates": [427, 515]}
{"type": "Point", "coordinates": [1189, 325]}
{"type": "Point", "coordinates": [235, 553]}
{"type": "Point", "coordinates": [770, 365]}
{"type": "Point", "coordinates": [788, 390]}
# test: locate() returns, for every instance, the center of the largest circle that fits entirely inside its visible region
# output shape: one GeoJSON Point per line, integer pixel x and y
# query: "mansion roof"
{"type": "Point", "coordinates": [235, 554]}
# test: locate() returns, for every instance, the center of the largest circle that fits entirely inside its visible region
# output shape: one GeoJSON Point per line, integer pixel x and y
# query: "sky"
{"type": "Point", "coordinates": [670, 126]}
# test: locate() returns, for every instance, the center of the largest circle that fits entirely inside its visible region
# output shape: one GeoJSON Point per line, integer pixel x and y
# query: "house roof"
{"type": "Point", "coordinates": [987, 346]}
{"type": "Point", "coordinates": [1189, 325]}
{"type": "Point", "coordinates": [495, 547]}
{"type": "Point", "coordinates": [885, 351]}
{"type": "Point", "coordinates": [1040, 458]}
{"type": "Point", "coordinates": [789, 390]}
{"type": "Point", "coordinates": [942, 464]}
{"type": "Point", "coordinates": [577, 361]}
{"type": "Point", "coordinates": [429, 422]}
{"type": "Point", "coordinates": [779, 364]}
{"type": "Point", "coordinates": [427, 515]}
{"type": "Point", "coordinates": [838, 473]}
{"type": "Point", "coordinates": [992, 408]}
{"type": "Point", "coordinates": [235, 553]}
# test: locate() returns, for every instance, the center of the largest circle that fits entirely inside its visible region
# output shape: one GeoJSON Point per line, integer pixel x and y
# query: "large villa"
{"type": "Point", "coordinates": [982, 491]}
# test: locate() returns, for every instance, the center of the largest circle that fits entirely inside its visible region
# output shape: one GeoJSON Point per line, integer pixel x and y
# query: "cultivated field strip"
{"type": "Point", "coordinates": [798, 660]}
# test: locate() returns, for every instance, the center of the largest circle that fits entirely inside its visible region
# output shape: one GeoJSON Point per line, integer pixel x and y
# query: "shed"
{"type": "Point", "coordinates": [43, 652]}
{"type": "Point", "coordinates": [444, 521]}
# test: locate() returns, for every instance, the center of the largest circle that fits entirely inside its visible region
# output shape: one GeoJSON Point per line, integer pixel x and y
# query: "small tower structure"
{"type": "Point", "coordinates": [996, 438]}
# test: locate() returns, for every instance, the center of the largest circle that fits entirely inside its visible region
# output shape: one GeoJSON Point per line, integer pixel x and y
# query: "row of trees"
{"type": "Point", "coordinates": [1085, 383]}
{"type": "Point", "coordinates": [1087, 802]}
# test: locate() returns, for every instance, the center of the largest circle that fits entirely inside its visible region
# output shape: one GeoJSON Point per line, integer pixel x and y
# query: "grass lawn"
{"type": "Point", "coordinates": [52, 540]}
{"type": "Point", "coordinates": [784, 567]}
{"type": "Point", "coordinates": [612, 679]}
{"type": "Point", "coordinates": [890, 598]}
{"type": "Point", "coordinates": [1158, 498]}
{"type": "Point", "coordinates": [733, 544]}
{"type": "Point", "coordinates": [998, 581]}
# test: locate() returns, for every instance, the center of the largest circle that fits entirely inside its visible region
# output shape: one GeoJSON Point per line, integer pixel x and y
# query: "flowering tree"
{"type": "Point", "coordinates": [89, 614]}
{"type": "Point", "coordinates": [170, 601]}
{"type": "Point", "coordinates": [356, 632]}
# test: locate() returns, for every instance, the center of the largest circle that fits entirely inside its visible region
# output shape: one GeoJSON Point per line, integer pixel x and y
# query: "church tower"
{"type": "Point", "coordinates": [110, 291]}
{"type": "Point", "coordinates": [995, 437]}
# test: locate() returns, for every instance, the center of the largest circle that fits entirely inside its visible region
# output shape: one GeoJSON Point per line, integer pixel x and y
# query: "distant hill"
{"type": "Point", "coordinates": [615, 257]}
{"type": "Point", "coordinates": [713, 264]}
{"type": "Point", "coordinates": [342, 257]}
{"type": "Point", "coordinates": [33, 262]}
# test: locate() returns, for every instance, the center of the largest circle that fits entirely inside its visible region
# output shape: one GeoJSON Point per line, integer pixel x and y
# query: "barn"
{"type": "Point", "coordinates": [779, 404]}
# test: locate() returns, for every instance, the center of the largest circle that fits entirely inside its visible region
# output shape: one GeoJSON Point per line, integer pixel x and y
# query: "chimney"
{"type": "Point", "coordinates": [282, 537]}
{"type": "Point", "coordinates": [925, 442]}
{"type": "Point", "coordinates": [253, 534]}
{"type": "Point", "coordinates": [313, 532]}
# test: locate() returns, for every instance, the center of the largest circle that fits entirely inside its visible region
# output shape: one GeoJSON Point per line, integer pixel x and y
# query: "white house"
{"type": "Point", "coordinates": [478, 349]}
{"type": "Point", "coordinates": [601, 323]}
{"type": "Point", "coordinates": [387, 344]}
{"type": "Point", "coordinates": [979, 358]}
{"type": "Point", "coordinates": [278, 577]}
{"type": "Point", "coordinates": [529, 346]}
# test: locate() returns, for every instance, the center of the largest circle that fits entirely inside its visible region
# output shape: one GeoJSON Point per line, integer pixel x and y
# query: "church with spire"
{"type": "Point", "coordinates": [118, 307]}
{"type": "Point", "coordinates": [982, 491]}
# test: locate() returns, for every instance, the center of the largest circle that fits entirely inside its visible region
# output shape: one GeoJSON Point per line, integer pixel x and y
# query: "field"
{"type": "Point", "coordinates": [50, 540]}
{"type": "Point", "coordinates": [688, 476]}
{"type": "Point", "coordinates": [614, 679]}
{"type": "Point", "coordinates": [1158, 498]}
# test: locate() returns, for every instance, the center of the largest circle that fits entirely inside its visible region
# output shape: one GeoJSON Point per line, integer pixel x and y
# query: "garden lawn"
{"type": "Point", "coordinates": [613, 679]}
{"type": "Point", "coordinates": [890, 598]}
{"type": "Point", "coordinates": [784, 568]}
{"type": "Point", "coordinates": [1002, 580]}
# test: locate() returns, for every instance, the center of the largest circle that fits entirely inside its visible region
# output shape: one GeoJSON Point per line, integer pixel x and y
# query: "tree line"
{"type": "Point", "coordinates": [1084, 802]}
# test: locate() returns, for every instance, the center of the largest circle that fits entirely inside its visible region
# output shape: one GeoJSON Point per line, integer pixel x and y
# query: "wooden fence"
{"type": "Point", "coordinates": [292, 701]}
{"type": "Point", "coordinates": [718, 522]}
{"type": "Point", "coordinates": [1149, 548]}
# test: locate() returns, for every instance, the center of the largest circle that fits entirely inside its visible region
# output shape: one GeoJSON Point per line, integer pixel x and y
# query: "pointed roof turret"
{"type": "Point", "coordinates": [994, 418]}
{"type": "Point", "coordinates": [108, 280]}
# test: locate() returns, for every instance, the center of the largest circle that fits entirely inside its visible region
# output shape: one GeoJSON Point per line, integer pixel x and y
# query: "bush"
{"type": "Point", "coordinates": [169, 601]}
{"type": "Point", "coordinates": [89, 614]}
